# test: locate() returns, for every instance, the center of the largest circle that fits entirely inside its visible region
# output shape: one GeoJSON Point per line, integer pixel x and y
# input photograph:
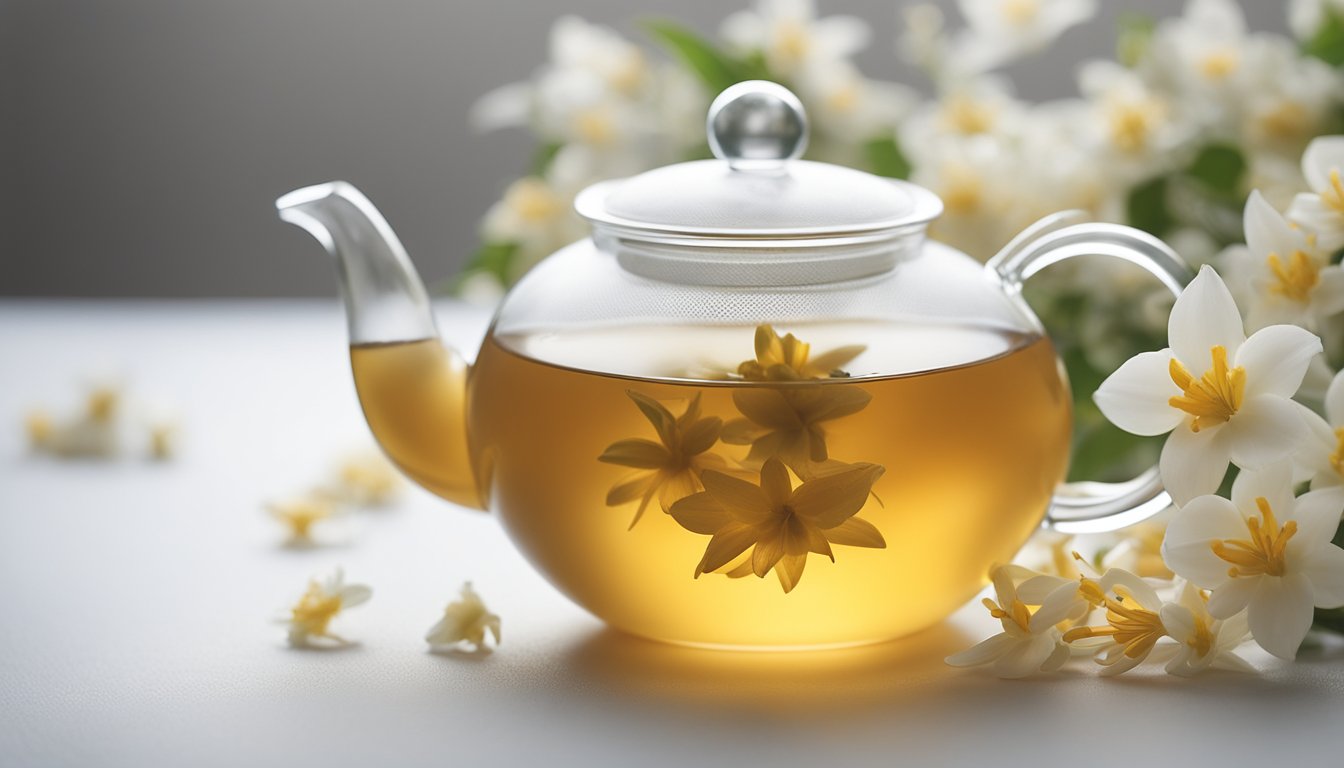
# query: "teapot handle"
{"type": "Point", "coordinates": [1092, 507]}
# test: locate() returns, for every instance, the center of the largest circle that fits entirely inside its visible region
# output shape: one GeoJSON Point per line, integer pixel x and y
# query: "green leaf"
{"type": "Point", "coordinates": [494, 258]}
{"type": "Point", "coordinates": [1134, 34]}
{"type": "Point", "coordinates": [544, 156]}
{"type": "Point", "coordinates": [1146, 207]}
{"type": "Point", "coordinates": [1220, 167]}
{"type": "Point", "coordinates": [885, 158]}
{"type": "Point", "coordinates": [715, 69]}
{"type": "Point", "coordinates": [1328, 42]}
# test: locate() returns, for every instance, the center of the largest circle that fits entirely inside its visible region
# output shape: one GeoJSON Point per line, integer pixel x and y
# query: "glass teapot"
{"type": "Point", "coordinates": [757, 407]}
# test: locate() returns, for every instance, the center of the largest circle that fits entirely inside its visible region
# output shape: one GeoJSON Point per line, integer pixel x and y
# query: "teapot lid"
{"type": "Point", "coordinates": [757, 186]}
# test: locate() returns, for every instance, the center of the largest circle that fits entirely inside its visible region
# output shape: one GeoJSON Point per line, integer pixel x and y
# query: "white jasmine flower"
{"type": "Point", "coordinates": [310, 619]}
{"type": "Point", "coordinates": [1130, 127]}
{"type": "Point", "coordinates": [1288, 279]}
{"type": "Point", "coordinates": [1322, 456]}
{"type": "Point", "coordinates": [1264, 552]}
{"type": "Point", "coordinates": [1223, 397]}
{"type": "Point", "coordinates": [535, 216]}
{"type": "Point", "coordinates": [464, 621]}
{"type": "Point", "coordinates": [1287, 98]}
{"type": "Point", "coordinates": [1139, 550]}
{"type": "Point", "coordinates": [1322, 210]}
{"type": "Point", "coordinates": [1203, 641]}
{"type": "Point", "coordinates": [93, 433]}
{"type": "Point", "coordinates": [791, 37]}
{"type": "Point", "coordinates": [1133, 624]}
{"type": "Point", "coordinates": [1018, 650]}
{"type": "Point", "coordinates": [975, 180]}
{"type": "Point", "coordinates": [848, 107]}
{"type": "Point", "coordinates": [999, 31]}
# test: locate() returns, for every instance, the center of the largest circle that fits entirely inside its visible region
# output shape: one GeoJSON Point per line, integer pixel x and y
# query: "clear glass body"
{"type": "Point", "coordinates": [966, 421]}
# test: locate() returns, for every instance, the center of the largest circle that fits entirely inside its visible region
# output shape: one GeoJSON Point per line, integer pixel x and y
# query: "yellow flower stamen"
{"type": "Point", "coordinates": [533, 200]}
{"type": "Point", "coordinates": [595, 126]}
{"type": "Point", "coordinates": [102, 404]}
{"type": "Point", "coordinates": [963, 192]}
{"type": "Point", "coordinates": [1020, 13]}
{"type": "Point", "coordinates": [1337, 458]}
{"type": "Point", "coordinates": [40, 428]}
{"type": "Point", "coordinates": [1132, 123]}
{"type": "Point", "coordinates": [1135, 628]}
{"type": "Point", "coordinates": [1263, 554]}
{"type": "Point", "coordinates": [1218, 64]}
{"type": "Point", "coordinates": [1214, 397]}
{"type": "Point", "coordinates": [968, 116]}
{"type": "Point", "coordinates": [1334, 196]}
{"type": "Point", "coordinates": [315, 610]}
{"type": "Point", "coordinates": [1296, 279]}
{"type": "Point", "coordinates": [1288, 120]}
{"type": "Point", "coordinates": [791, 40]}
{"type": "Point", "coordinates": [1202, 640]}
{"type": "Point", "coordinates": [1018, 613]}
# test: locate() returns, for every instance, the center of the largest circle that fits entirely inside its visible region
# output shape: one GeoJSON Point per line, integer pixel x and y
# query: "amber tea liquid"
{"type": "Point", "coordinates": [972, 435]}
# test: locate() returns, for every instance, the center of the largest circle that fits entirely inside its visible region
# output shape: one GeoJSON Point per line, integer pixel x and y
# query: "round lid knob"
{"type": "Point", "coordinates": [757, 125]}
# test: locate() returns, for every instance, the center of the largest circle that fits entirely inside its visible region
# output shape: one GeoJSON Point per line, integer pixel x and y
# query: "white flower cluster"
{"type": "Point", "coordinates": [1263, 560]}
{"type": "Point", "coordinates": [601, 108]}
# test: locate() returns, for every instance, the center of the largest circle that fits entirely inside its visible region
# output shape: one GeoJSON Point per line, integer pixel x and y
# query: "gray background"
{"type": "Point", "coordinates": [145, 140]}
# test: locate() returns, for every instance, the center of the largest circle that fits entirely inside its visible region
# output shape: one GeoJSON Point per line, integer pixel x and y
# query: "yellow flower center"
{"type": "Point", "coordinates": [791, 40]}
{"type": "Point", "coordinates": [963, 192]}
{"type": "Point", "coordinates": [630, 75]}
{"type": "Point", "coordinates": [1020, 13]}
{"type": "Point", "coordinates": [1092, 592]}
{"type": "Point", "coordinates": [968, 116]}
{"type": "Point", "coordinates": [844, 98]}
{"type": "Point", "coordinates": [533, 200]}
{"type": "Point", "coordinates": [1202, 640]}
{"type": "Point", "coordinates": [1214, 397]}
{"type": "Point", "coordinates": [315, 610]}
{"type": "Point", "coordinates": [1017, 613]}
{"type": "Point", "coordinates": [1263, 554]}
{"type": "Point", "coordinates": [1133, 627]}
{"type": "Point", "coordinates": [1334, 196]}
{"type": "Point", "coordinates": [102, 405]}
{"type": "Point", "coordinates": [1337, 458]}
{"type": "Point", "coordinates": [594, 126]}
{"type": "Point", "coordinates": [1286, 121]}
{"type": "Point", "coordinates": [1131, 123]}
{"type": "Point", "coordinates": [1296, 279]}
{"type": "Point", "coordinates": [1218, 64]}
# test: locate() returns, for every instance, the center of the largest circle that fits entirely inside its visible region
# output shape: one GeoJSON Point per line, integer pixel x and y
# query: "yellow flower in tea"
{"type": "Point", "coordinates": [300, 515]}
{"type": "Point", "coordinates": [464, 621]}
{"type": "Point", "coordinates": [309, 621]}
{"type": "Point", "coordinates": [779, 523]}
{"type": "Point", "coordinates": [787, 423]}
{"type": "Point", "coordinates": [789, 359]}
{"type": "Point", "coordinates": [670, 467]}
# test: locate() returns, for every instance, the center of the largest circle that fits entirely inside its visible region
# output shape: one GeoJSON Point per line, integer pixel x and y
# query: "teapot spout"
{"type": "Point", "coordinates": [385, 300]}
{"type": "Point", "coordinates": [413, 390]}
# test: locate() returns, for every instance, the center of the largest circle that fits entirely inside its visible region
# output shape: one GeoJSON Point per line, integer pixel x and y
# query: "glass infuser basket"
{"type": "Point", "coordinates": [757, 407]}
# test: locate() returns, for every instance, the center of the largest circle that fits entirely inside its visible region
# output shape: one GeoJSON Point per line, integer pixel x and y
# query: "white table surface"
{"type": "Point", "coordinates": [135, 601]}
